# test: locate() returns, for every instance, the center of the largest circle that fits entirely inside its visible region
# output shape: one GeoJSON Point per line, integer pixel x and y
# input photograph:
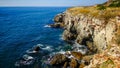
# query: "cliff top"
{"type": "Point", "coordinates": [105, 11]}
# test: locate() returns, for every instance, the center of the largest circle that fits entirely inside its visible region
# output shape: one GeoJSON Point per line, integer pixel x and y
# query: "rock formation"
{"type": "Point", "coordinates": [99, 30]}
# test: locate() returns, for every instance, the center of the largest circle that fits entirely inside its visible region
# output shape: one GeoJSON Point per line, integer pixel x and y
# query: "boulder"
{"type": "Point", "coordinates": [77, 55]}
{"type": "Point", "coordinates": [37, 48]}
{"type": "Point", "coordinates": [73, 63]}
{"type": "Point", "coordinates": [58, 59]}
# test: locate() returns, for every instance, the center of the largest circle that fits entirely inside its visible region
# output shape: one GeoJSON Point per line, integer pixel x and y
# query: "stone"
{"type": "Point", "coordinates": [56, 25]}
{"type": "Point", "coordinates": [37, 48]}
{"type": "Point", "coordinates": [82, 65]}
{"type": "Point", "coordinates": [85, 61]}
{"type": "Point", "coordinates": [73, 63]}
{"type": "Point", "coordinates": [68, 36]}
{"type": "Point", "coordinates": [58, 59]}
{"type": "Point", "coordinates": [77, 55]}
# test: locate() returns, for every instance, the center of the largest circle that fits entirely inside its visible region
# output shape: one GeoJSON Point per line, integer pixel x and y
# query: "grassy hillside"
{"type": "Point", "coordinates": [105, 11]}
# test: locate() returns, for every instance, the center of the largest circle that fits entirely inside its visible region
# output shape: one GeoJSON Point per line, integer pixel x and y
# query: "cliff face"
{"type": "Point", "coordinates": [101, 36]}
{"type": "Point", "coordinates": [90, 31]}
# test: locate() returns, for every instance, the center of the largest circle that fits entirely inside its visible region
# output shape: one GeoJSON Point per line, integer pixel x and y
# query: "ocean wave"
{"type": "Point", "coordinates": [26, 60]}
{"type": "Point", "coordinates": [80, 48]}
{"type": "Point", "coordinates": [60, 37]}
{"type": "Point", "coordinates": [47, 26]}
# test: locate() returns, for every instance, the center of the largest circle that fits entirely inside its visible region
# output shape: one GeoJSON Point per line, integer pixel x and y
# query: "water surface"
{"type": "Point", "coordinates": [23, 27]}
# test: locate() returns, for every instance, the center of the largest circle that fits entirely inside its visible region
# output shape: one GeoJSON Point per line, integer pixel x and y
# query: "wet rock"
{"type": "Point", "coordinates": [26, 60]}
{"type": "Point", "coordinates": [58, 59]}
{"type": "Point", "coordinates": [73, 63]}
{"type": "Point", "coordinates": [77, 55]}
{"type": "Point", "coordinates": [80, 48]}
{"type": "Point", "coordinates": [56, 25]}
{"type": "Point", "coordinates": [37, 48]}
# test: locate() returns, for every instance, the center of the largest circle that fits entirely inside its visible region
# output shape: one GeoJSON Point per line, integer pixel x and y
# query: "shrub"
{"type": "Point", "coordinates": [115, 3]}
{"type": "Point", "coordinates": [101, 7]}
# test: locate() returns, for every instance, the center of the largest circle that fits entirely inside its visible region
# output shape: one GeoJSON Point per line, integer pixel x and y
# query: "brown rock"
{"type": "Point", "coordinates": [82, 65]}
{"type": "Point", "coordinates": [67, 36]}
{"type": "Point", "coordinates": [77, 55]}
{"type": "Point", "coordinates": [65, 65]}
{"type": "Point", "coordinates": [73, 63]}
{"type": "Point", "coordinates": [59, 18]}
{"type": "Point", "coordinates": [58, 59]}
{"type": "Point", "coordinates": [87, 59]}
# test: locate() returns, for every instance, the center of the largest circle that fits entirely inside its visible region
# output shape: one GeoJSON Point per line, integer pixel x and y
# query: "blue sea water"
{"type": "Point", "coordinates": [23, 27]}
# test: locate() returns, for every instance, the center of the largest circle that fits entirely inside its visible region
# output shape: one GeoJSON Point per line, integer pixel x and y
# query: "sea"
{"type": "Point", "coordinates": [22, 28]}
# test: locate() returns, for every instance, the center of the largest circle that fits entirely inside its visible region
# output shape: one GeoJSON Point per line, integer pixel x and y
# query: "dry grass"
{"type": "Point", "coordinates": [106, 14]}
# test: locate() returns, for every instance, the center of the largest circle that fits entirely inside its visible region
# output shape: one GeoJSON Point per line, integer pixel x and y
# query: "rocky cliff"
{"type": "Point", "coordinates": [88, 30]}
{"type": "Point", "coordinates": [99, 30]}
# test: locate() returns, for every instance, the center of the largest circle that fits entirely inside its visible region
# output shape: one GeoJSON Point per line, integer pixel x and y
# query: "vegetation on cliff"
{"type": "Point", "coordinates": [106, 13]}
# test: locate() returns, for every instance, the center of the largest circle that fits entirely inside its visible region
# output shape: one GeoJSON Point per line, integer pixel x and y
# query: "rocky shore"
{"type": "Point", "coordinates": [100, 36]}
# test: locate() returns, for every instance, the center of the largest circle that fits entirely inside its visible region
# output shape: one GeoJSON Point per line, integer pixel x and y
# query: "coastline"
{"type": "Point", "coordinates": [97, 35]}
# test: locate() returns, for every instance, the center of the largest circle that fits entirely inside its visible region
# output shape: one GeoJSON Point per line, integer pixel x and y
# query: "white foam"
{"type": "Point", "coordinates": [47, 26]}
{"type": "Point", "coordinates": [31, 51]}
{"type": "Point", "coordinates": [40, 45]}
{"type": "Point", "coordinates": [80, 48]}
{"type": "Point", "coordinates": [27, 57]}
{"type": "Point", "coordinates": [61, 38]}
{"type": "Point", "coordinates": [62, 52]}
{"type": "Point", "coordinates": [48, 48]}
{"type": "Point", "coordinates": [69, 52]}
{"type": "Point", "coordinates": [70, 56]}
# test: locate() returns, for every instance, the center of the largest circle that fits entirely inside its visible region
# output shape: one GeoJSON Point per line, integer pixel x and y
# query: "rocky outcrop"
{"type": "Point", "coordinates": [99, 34]}
{"type": "Point", "coordinates": [110, 58]}
{"type": "Point", "coordinates": [87, 30]}
{"type": "Point", "coordinates": [58, 59]}
{"type": "Point", "coordinates": [68, 59]}
{"type": "Point", "coordinates": [59, 19]}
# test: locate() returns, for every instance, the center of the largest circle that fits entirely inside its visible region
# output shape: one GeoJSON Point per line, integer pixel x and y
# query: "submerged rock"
{"type": "Point", "coordinates": [26, 60]}
{"type": "Point", "coordinates": [37, 48]}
